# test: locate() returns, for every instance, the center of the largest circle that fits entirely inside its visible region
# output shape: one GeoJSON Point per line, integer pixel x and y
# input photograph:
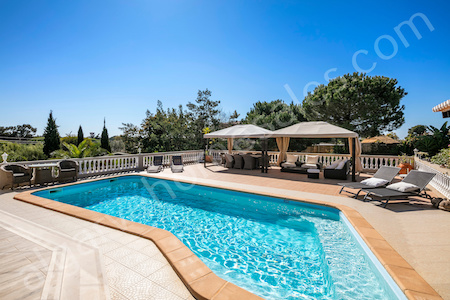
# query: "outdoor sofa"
{"type": "Point", "coordinates": [293, 165]}
{"type": "Point", "coordinates": [340, 171]}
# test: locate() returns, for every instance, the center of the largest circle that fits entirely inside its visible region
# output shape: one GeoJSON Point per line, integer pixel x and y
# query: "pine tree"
{"type": "Point", "coordinates": [104, 142]}
{"type": "Point", "coordinates": [80, 135]}
{"type": "Point", "coordinates": [51, 136]}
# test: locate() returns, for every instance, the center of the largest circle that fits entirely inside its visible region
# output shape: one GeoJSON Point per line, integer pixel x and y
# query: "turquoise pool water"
{"type": "Point", "coordinates": [274, 248]}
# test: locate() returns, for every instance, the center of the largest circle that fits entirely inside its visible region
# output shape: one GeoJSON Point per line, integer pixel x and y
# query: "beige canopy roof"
{"type": "Point", "coordinates": [314, 130]}
{"type": "Point", "coordinates": [380, 139]}
{"type": "Point", "coordinates": [240, 131]}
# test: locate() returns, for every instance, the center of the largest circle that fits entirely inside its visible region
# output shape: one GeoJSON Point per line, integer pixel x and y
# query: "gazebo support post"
{"type": "Point", "coordinates": [204, 154]}
{"type": "Point", "coordinates": [264, 165]}
{"type": "Point", "coordinates": [262, 156]}
{"type": "Point", "coordinates": [354, 160]}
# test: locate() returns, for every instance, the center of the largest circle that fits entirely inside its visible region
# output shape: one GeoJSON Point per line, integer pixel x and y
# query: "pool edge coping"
{"type": "Point", "coordinates": [200, 280]}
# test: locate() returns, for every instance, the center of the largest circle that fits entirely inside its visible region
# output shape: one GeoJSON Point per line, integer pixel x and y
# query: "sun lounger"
{"type": "Point", "coordinates": [177, 164]}
{"type": "Point", "coordinates": [418, 178]}
{"type": "Point", "coordinates": [384, 173]}
{"type": "Point", "coordinates": [157, 165]}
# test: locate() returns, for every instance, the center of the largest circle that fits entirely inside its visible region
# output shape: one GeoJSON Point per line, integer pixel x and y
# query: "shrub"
{"type": "Point", "coordinates": [21, 152]}
{"type": "Point", "coordinates": [442, 158]}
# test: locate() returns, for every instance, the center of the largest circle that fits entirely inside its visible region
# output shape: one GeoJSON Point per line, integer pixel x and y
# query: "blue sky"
{"type": "Point", "coordinates": [89, 60]}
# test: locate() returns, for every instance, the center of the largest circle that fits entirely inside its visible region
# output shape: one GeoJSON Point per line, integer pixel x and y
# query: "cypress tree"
{"type": "Point", "coordinates": [51, 136]}
{"type": "Point", "coordinates": [104, 142]}
{"type": "Point", "coordinates": [80, 135]}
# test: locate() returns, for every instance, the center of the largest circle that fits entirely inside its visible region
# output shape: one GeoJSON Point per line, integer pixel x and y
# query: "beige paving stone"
{"type": "Point", "coordinates": [120, 277]}
{"type": "Point", "coordinates": [145, 289]}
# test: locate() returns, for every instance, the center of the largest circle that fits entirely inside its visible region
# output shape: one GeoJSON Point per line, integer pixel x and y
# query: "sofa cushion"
{"type": "Point", "coordinates": [288, 165]}
{"type": "Point", "coordinates": [309, 166]}
{"type": "Point", "coordinates": [312, 159]}
{"type": "Point", "coordinates": [291, 158]}
{"type": "Point", "coordinates": [403, 187]}
{"type": "Point", "coordinates": [341, 164]}
{"type": "Point", "coordinates": [333, 165]}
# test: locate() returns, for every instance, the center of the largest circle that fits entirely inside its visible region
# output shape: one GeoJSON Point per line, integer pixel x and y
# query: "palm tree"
{"type": "Point", "coordinates": [85, 149]}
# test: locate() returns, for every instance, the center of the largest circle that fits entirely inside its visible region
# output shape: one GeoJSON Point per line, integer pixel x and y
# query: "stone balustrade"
{"type": "Point", "coordinates": [370, 163]}
{"type": "Point", "coordinates": [441, 182]}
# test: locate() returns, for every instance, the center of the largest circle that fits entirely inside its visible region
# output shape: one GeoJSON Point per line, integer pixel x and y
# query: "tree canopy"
{"type": "Point", "coordinates": [364, 104]}
{"type": "Point", "coordinates": [104, 141]}
{"type": "Point", "coordinates": [51, 136]}
{"type": "Point", "coordinates": [274, 115]}
{"type": "Point", "coordinates": [166, 130]}
{"type": "Point", "coordinates": [19, 131]}
{"type": "Point", "coordinates": [80, 137]}
{"type": "Point", "coordinates": [417, 130]}
{"type": "Point", "coordinates": [203, 113]}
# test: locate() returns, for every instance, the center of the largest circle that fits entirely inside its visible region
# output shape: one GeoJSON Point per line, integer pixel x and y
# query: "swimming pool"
{"type": "Point", "coordinates": [275, 248]}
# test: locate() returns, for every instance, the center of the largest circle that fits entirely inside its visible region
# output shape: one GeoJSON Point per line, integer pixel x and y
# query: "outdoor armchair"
{"type": "Point", "coordinates": [249, 162]}
{"type": "Point", "coordinates": [67, 170]}
{"type": "Point", "coordinates": [337, 173]}
{"type": "Point", "coordinates": [417, 178]}
{"type": "Point", "coordinates": [157, 165]}
{"type": "Point", "coordinates": [14, 174]}
{"type": "Point", "coordinates": [177, 164]}
{"type": "Point", "coordinates": [385, 173]}
{"type": "Point", "coordinates": [229, 161]}
{"type": "Point", "coordinates": [238, 161]}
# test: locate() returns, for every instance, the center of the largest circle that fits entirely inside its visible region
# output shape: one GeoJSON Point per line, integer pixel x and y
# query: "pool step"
{"type": "Point", "coordinates": [73, 269]}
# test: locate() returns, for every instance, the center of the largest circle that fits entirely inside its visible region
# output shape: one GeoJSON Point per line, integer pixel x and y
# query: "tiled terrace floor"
{"type": "Point", "coordinates": [135, 269]}
{"type": "Point", "coordinates": [93, 257]}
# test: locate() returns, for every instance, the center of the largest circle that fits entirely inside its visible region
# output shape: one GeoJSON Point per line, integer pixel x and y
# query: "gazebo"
{"type": "Point", "coordinates": [319, 130]}
{"type": "Point", "coordinates": [243, 131]}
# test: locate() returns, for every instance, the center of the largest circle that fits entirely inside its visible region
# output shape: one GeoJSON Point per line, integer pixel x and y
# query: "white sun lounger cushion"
{"type": "Point", "coordinates": [374, 182]}
{"type": "Point", "coordinates": [403, 187]}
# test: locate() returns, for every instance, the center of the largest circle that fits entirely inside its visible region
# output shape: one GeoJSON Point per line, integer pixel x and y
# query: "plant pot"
{"type": "Point", "coordinates": [209, 158]}
{"type": "Point", "coordinates": [405, 168]}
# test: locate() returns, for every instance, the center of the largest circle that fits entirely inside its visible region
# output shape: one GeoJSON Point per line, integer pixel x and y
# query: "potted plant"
{"type": "Point", "coordinates": [404, 164]}
{"type": "Point", "coordinates": [208, 158]}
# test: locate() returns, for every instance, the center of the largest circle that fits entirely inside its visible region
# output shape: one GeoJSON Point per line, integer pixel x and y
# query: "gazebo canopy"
{"type": "Point", "coordinates": [314, 130]}
{"type": "Point", "coordinates": [240, 131]}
